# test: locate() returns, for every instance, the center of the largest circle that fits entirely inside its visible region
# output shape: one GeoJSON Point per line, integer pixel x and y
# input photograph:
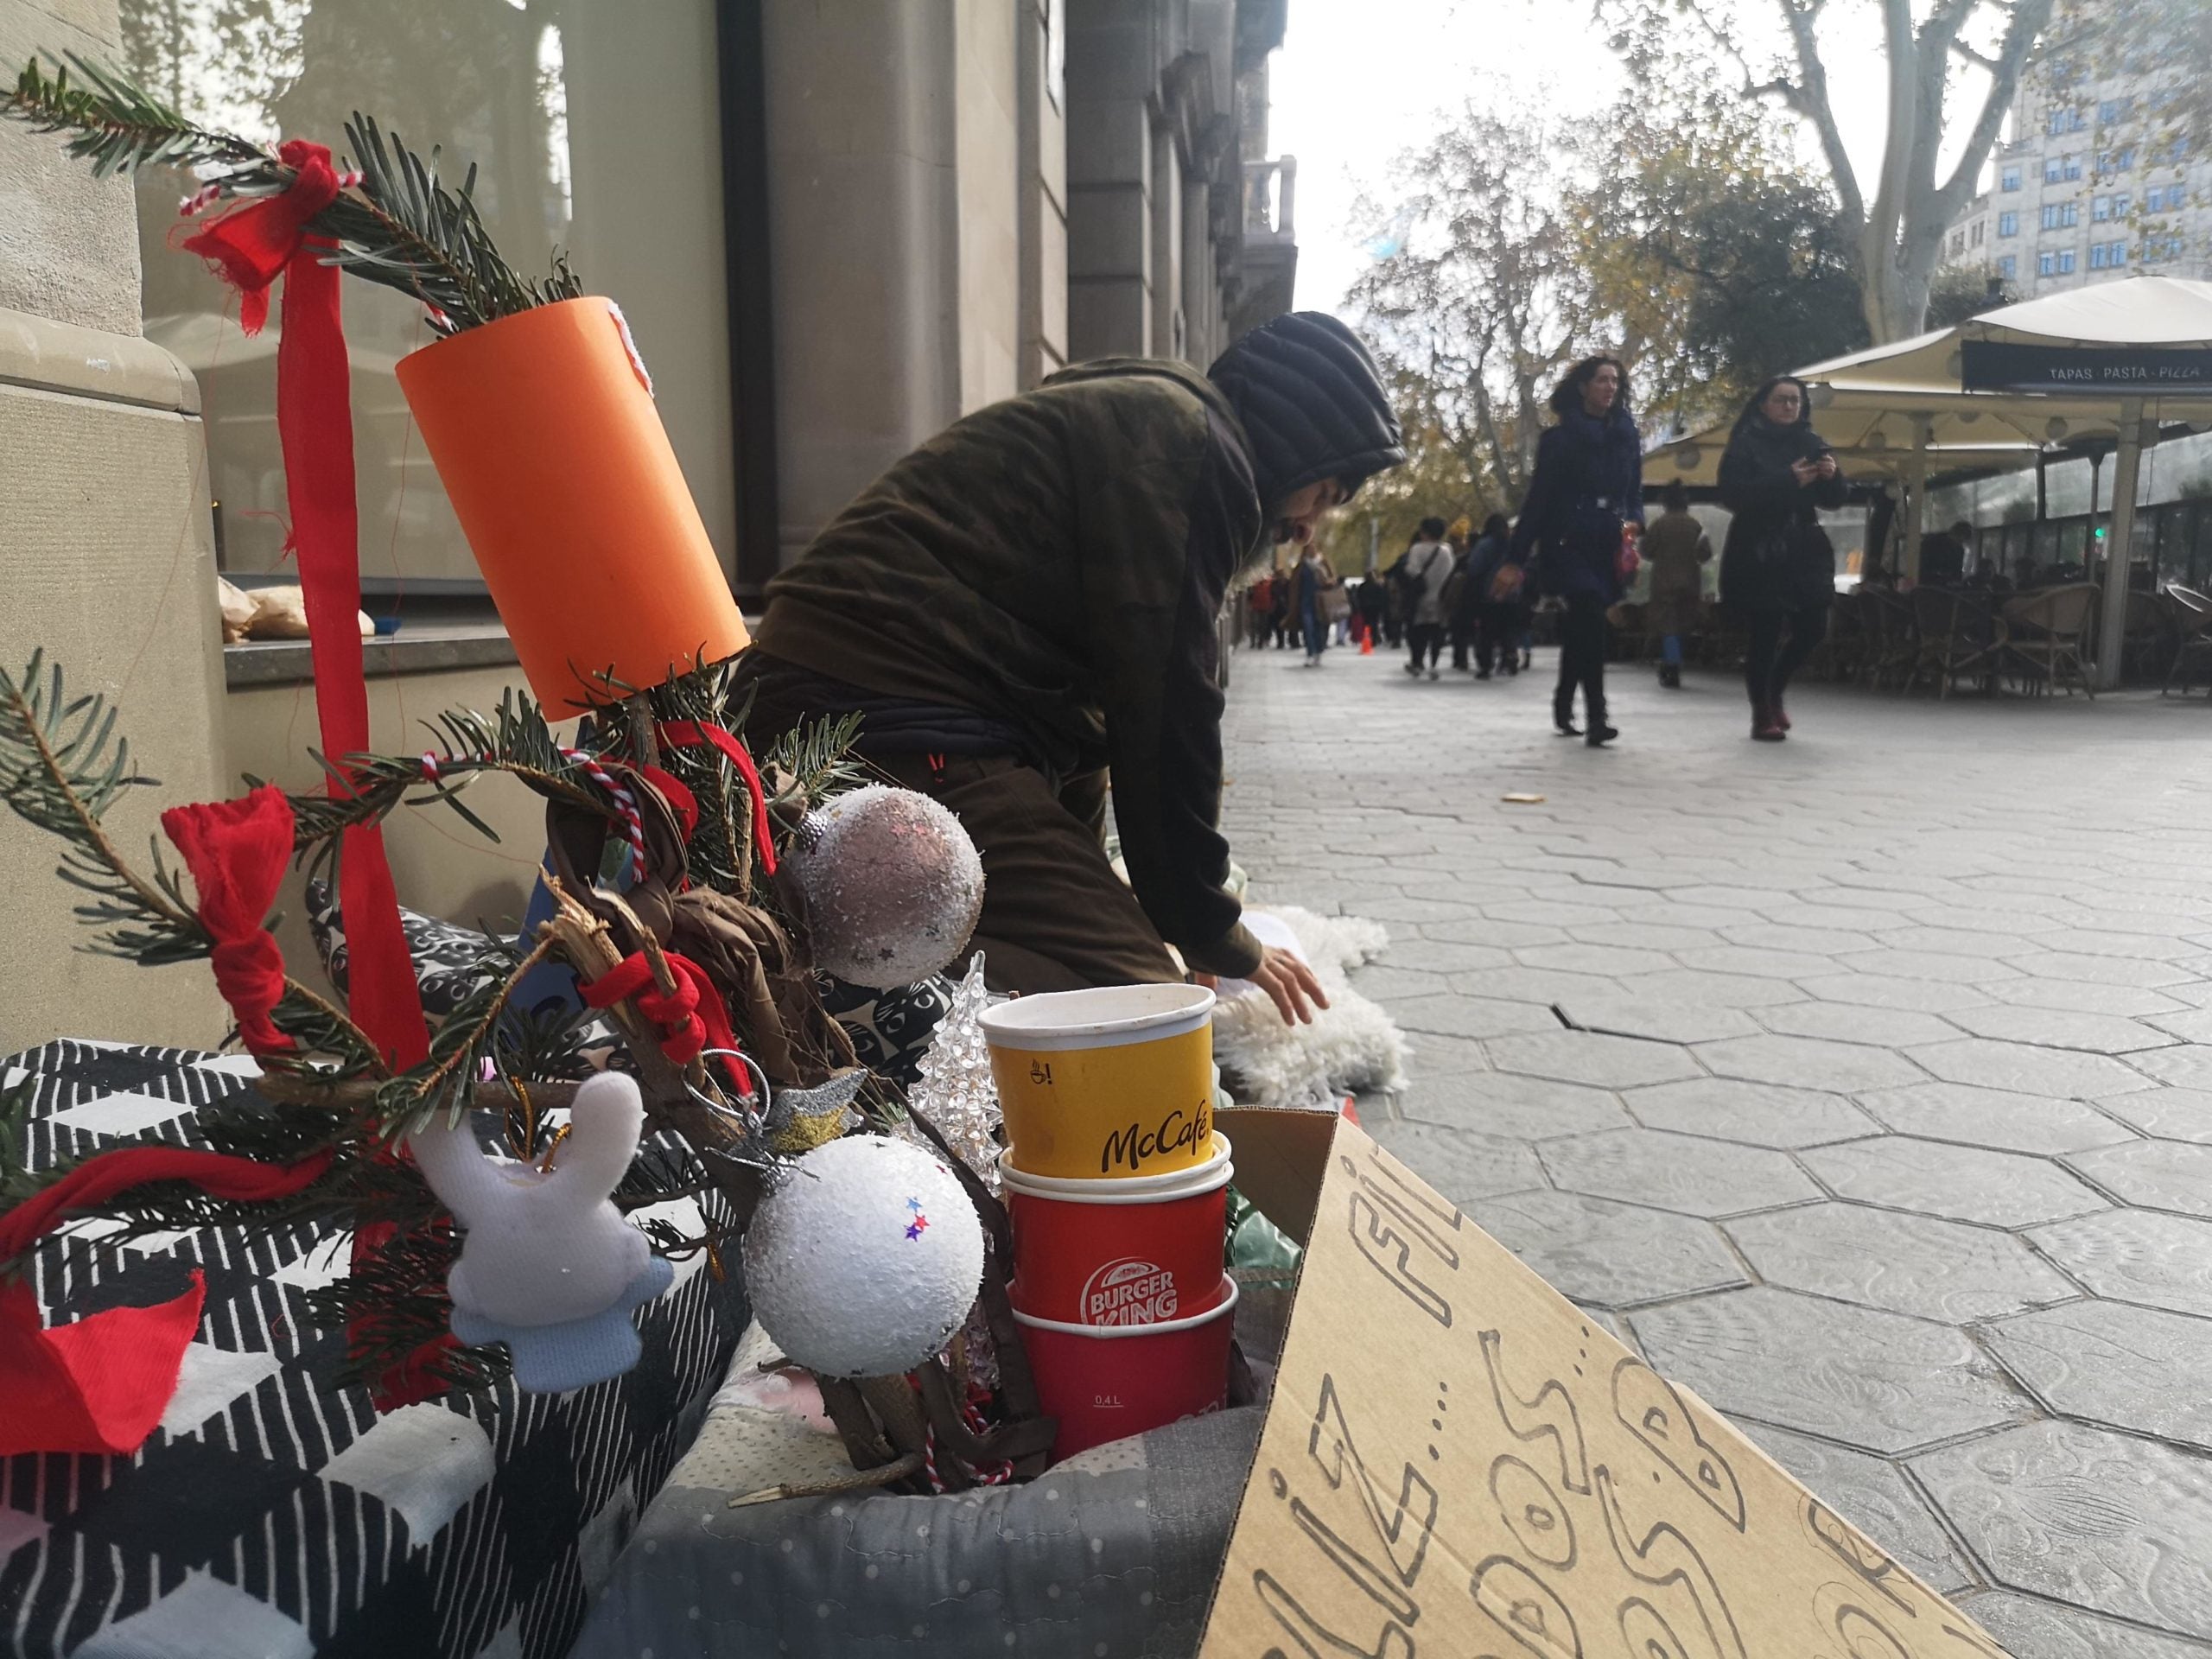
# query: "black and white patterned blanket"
{"type": "Point", "coordinates": [271, 1516]}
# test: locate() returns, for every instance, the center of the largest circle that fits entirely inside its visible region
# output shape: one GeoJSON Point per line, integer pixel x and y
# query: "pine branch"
{"type": "Point", "coordinates": [403, 228]}
{"type": "Point", "coordinates": [62, 765]}
{"type": "Point", "coordinates": [117, 124]}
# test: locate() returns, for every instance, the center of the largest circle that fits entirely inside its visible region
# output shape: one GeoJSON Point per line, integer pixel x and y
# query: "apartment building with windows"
{"type": "Point", "coordinates": [2095, 181]}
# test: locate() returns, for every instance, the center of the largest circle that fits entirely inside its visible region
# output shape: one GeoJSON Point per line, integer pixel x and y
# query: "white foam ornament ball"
{"type": "Point", "coordinates": [893, 886]}
{"type": "Point", "coordinates": [865, 1259]}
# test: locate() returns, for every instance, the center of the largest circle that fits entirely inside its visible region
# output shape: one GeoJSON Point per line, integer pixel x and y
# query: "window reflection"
{"type": "Point", "coordinates": [481, 79]}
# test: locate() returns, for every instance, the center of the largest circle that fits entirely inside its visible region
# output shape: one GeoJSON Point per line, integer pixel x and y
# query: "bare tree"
{"type": "Point", "coordinates": [1900, 224]}
{"type": "Point", "coordinates": [1487, 301]}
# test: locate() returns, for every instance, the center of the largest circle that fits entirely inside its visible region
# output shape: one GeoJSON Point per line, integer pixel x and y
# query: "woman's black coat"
{"type": "Point", "coordinates": [1589, 477]}
{"type": "Point", "coordinates": [1766, 565]}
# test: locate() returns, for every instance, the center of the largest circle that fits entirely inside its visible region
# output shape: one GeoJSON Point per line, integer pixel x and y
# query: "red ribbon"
{"type": "Point", "coordinates": [686, 734]}
{"type": "Point", "coordinates": [250, 245]}
{"type": "Point", "coordinates": [691, 1022]}
{"type": "Point", "coordinates": [101, 1384]}
{"type": "Point", "coordinates": [236, 852]}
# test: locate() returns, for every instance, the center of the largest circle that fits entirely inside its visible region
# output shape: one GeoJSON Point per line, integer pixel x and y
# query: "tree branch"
{"type": "Point", "coordinates": [1811, 101]}
{"type": "Point", "coordinates": [2029, 18]}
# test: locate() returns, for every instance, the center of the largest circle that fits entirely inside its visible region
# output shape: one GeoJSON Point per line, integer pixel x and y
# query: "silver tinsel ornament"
{"type": "Point", "coordinates": [955, 1090]}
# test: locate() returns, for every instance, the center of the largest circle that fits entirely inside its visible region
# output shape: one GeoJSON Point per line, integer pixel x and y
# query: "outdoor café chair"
{"type": "Point", "coordinates": [1894, 652]}
{"type": "Point", "coordinates": [2192, 615]}
{"type": "Point", "coordinates": [2045, 632]}
{"type": "Point", "coordinates": [1957, 635]}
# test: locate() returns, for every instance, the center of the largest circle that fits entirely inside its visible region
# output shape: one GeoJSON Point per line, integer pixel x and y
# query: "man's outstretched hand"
{"type": "Point", "coordinates": [1287, 980]}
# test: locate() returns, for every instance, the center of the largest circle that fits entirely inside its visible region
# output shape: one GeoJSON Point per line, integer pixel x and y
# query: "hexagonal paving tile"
{"type": "Point", "coordinates": [2101, 971]}
{"type": "Point", "coordinates": [1935, 1177]}
{"type": "Point", "coordinates": [1908, 1264]}
{"type": "Point", "coordinates": [1943, 967]}
{"type": "Point", "coordinates": [1759, 964]}
{"type": "Point", "coordinates": [1874, 1496]}
{"type": "Point", "coordinates": [1985, 944]}
{"type": "Point", "coordinates": [2054, 1073]}
{"type": "Point", "coordinates": [1992, 1117]}
{"type": "Point", "coordinates": [1707, 991]}
{"type": "Point", "coordinates": [1812, 941]}
{"type": "Point", "coordinates": [2045, 1630]}
{"type": "Point", "coordinates": [1845, 1022]}
{"type": "Point", "coordinates": [2191, 1025]}
{"type": "Point", "coordinates": [1613, 1255]}
{"type": "Point", "coordinates": [2156, 1174]}
{"type": "Point", "coordinates": [1873, 1380]}
{"type": "Point", "coordinates": [1472, 1016]}
{"type": "Point", "coordinates": [1387, 984]}
{"type": "Point", "coordinates": [2186, 1067]}
{"type": "Point", "coordinates": [1499, 1102]}
{"type": "Point", "coordinates": [1646, 936]}
{"type": "Point", "coordinates": [1605, 959]}
{"type": "Point", "coordinates": [1685, 1173]}
{"type": "Point", "coordinates": [1624, 1013]}
{"type": "Point", "coordinates": [1501, 936]}
{"type": "Point", "coordinates": [2131, 945]}
{"type": "Point", "coordinates": [1807, 1063]}
{"type": "Point", "coordinates": [1586, 1057]}
{"type": "Point", "coordinates": [2121, 1526]}
{"type": "Point", "coordinates": [2174, 1114]}
{"type": "Point", "coordinates": [1461, 1163]}
{"type": "Point", "coordinates": [2074, 995]}
{"type": "Point", "coordinates": [2092, 1033]}
{"type": "Point", "coordinates": [1869, 990]}
{"type": "Point", "coordinates": [1754, 1113]}
{"type": "Point", "coordinates": [2137, 1255]}
{"type": "Point", "coordinates": [1433, 955]}
{"type": "Point", "coordinates": [2135, 1368]}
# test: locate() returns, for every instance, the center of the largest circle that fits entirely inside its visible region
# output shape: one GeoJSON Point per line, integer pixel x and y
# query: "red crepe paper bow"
{"type": "Point", "coordinates": [101, 1384]}
{"type": "Point", "coordinates": [250, 245]}
{"type": "Point", "coordinates": [691, 1022]}
{"type": "Point", "coordinates": [236, 852]}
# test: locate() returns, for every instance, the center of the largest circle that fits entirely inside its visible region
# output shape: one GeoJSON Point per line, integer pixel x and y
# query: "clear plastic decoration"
{"type": "Point", "coordinates": [955, 1090]}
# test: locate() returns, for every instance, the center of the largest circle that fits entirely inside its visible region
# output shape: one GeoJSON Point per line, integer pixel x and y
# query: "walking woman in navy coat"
{"type": "Point", "coordinates": [1588, 483]}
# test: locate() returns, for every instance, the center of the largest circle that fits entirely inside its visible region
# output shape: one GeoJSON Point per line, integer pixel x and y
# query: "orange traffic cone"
{"type": "Point", "coordinates": [1366, 642]}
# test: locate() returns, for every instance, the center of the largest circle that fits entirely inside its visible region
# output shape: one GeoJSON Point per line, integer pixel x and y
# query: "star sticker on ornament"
{"type": "Point", "coordinates": [915, 1227]}
{"type": "Point", "coordinates": [915, 1205]}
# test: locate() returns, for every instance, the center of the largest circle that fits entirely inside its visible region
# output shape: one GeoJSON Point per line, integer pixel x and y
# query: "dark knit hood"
{"type": "Point", "coordinates": [1311, 402]}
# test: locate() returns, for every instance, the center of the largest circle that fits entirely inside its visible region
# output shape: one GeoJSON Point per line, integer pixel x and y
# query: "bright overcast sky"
{"type": "Point", "coordinates": [1358, 82]}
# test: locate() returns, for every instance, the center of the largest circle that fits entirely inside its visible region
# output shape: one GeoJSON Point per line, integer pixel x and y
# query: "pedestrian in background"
{"type": "Point", "coordinates": [1459, 612]}
{"type": "Point", "coordinates": [1428, 565]}
{"type": "Point", "coordinates": [1370, 601]}
{"type": "Point", "coordinates": [1259, 610]}
{"type": "Point", "coordinates": [1778, 567]}
{"type": "Point", "coordinates": [1587, 489]}
{"type": "Point", "coordinates": [1491, 595]}
{"type": "Point", "coordinates": [1315, 580]}
{"type": "Point", "coordinates": [1678, 550]}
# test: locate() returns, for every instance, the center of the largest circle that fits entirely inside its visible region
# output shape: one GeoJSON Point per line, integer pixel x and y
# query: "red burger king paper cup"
{"type": "Point", "coordinates": [1105, 1382]}
{"type": "Point", "coordinates": [1141, 1250]}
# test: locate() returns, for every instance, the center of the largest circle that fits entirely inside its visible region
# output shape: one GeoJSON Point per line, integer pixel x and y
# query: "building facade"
{"type": "Point", "coordinates": [833, 229]}
{"type": "Point", "coordinates": [2097, 180]}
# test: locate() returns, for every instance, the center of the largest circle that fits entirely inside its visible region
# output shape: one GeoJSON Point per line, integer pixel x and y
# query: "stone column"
{"type": "Point", "coordinates": [108, 557]}
{"type": "Point", "coordinates": [862, 154]}
{"type": "Point", "coordinates": [1111, 70]}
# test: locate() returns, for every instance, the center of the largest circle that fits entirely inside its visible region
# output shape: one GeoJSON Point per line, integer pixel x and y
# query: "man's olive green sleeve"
{"type": "Point", "coordinates": [1163, 534]}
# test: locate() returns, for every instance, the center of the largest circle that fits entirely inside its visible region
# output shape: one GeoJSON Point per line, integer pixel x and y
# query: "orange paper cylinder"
{"type": "Point", "coordinates": [544, 431]}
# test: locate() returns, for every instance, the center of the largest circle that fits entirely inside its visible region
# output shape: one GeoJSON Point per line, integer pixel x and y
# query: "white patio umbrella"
{"type": "Point", "coordinates": [2116, 361]}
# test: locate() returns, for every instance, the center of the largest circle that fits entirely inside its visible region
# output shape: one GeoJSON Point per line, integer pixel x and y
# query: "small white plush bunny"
{"type": "Point", "coordinates": [548, 1266]}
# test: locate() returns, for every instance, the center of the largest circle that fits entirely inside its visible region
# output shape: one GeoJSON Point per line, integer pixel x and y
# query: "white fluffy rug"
{"type": "Point", "coordinates": [1351, 1047]}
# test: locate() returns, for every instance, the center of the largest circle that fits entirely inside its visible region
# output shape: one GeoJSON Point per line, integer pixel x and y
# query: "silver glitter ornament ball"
{"type": "Point", "coordinates": [893, 886]}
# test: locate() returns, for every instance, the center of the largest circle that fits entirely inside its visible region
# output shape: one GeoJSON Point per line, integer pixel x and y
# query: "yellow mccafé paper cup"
{"type": "Point", "coordinates": [1115, 1081]}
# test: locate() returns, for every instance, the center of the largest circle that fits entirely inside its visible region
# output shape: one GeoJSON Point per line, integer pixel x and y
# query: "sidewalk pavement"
{"type": "Point", "coordinates": [1863, 1083]}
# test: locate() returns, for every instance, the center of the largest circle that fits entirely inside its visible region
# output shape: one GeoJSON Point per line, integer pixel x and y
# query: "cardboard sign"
{"type": "Point", "coordinates": [1457, 1461]}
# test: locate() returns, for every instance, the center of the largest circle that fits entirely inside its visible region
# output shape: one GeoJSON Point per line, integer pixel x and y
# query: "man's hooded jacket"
{"type": "Point", "coordinates": [1056, 564]}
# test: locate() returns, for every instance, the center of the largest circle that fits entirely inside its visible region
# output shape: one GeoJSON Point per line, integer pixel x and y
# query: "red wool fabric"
{"type": "Point", "coordinates": [691, 1022]}
{"type": "Point", "coordinates": [101, 1384]}
{"type": "Point", "coordinates": [685, 734]}
{"type": "Point", "coordinates": [236, 852]}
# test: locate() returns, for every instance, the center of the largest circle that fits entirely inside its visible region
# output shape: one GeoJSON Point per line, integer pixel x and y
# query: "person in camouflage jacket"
{"type": "Point", "coordinates": [1027, 607]}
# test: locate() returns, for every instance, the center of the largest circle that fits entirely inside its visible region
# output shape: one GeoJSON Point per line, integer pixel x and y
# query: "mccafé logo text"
{"type": "Point", "coordinates": [1130, 1292]}
{"type": "Point", "coordinates": [1179, 1131]}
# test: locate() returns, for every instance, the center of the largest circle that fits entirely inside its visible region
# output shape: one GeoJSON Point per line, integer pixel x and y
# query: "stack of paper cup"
{"type": "Point", "coordinates": [1118, 1188]}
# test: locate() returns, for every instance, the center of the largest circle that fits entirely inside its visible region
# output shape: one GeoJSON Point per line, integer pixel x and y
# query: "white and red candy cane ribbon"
{"type": "Point", "coordinates": [625, 803]}
{"type": "Point", "coordinates": [986, 1474]}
